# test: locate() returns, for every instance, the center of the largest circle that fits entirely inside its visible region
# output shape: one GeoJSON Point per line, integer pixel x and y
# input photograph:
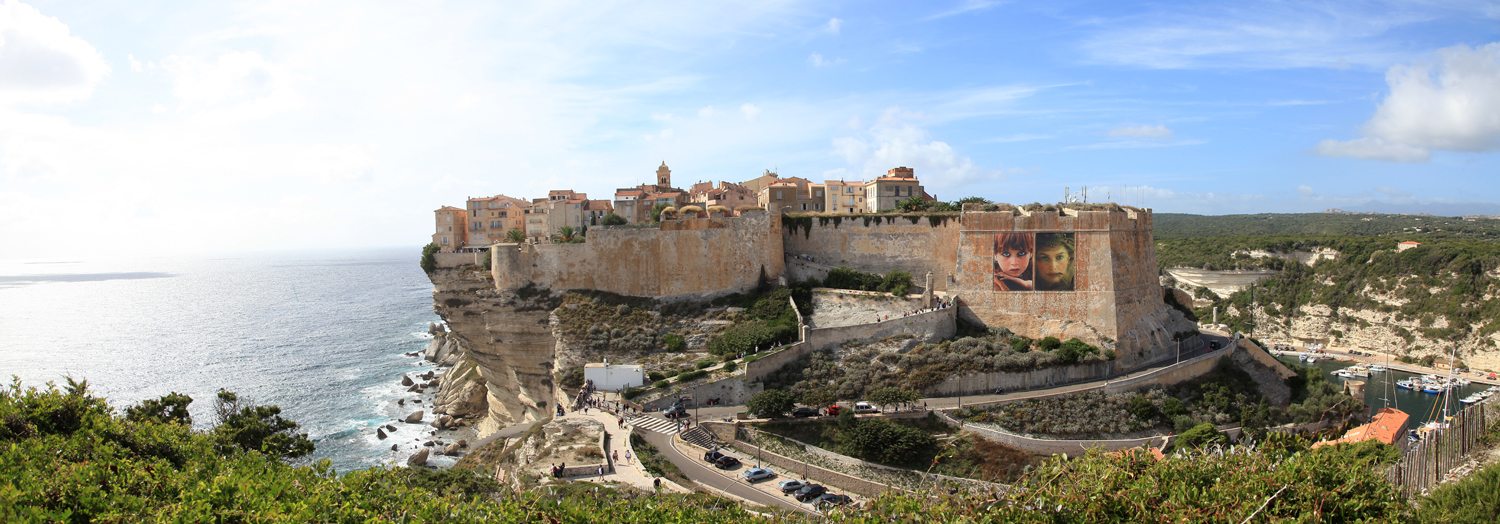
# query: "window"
{"type": "Point", "coordinates": [450, 219]}
{"type": "Point", "coordinates": [494, 224]}
{"type": "Point", "coordinates": [445, 241]}
{"type": "Point", "coordinates": [778, 195]}
{"type": "Point", "coordinates": [804, 207]}
{"type": "Point", "coordinates": [502, 214]}
{"type": "Point", "coordinates": [817, 193]}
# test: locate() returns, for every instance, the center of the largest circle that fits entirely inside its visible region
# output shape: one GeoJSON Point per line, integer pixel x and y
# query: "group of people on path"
{"type": "Point", "coordinates": [942, 304]}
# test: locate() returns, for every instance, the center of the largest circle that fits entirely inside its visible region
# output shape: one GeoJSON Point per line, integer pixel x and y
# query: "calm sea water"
{"type": "Point", "coordinates": [320, 334]}
{"type": "Point", "coordinates": [1422, 407]}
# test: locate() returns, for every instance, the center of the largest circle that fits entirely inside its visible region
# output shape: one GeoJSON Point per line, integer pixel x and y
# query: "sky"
{"type": "Point", "coordinates": [200, 127]}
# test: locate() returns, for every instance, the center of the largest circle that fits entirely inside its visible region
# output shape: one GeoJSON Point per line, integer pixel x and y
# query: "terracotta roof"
{"type": "Point", "coordinates": [448, 208]}
{"type": "Point", "coordinates": [1410, 243]}
{"type": "Point", "coordinates": [1388, 426]}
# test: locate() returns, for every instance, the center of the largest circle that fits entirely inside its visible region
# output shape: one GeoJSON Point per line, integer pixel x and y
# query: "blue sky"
{"type": "Point", "coordinates": [167, 126]}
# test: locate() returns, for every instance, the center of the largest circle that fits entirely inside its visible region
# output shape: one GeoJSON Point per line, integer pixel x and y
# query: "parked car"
{"type": "Point", "coordinates": [833, 411]}
{"type": "Point", "coordinates": [754, 474]}
{"type": "Point", "coordinates": [862, 407]}
{"type": "Point", "coordinates": [1213, 344]}
{"type": "Point", "coordinates": [726, 462]}
{"type": "Point", "coordinates": [810, 492]}
{"type": "Point", "coordinates": [830, 500]}
{"type": "Point", "coordinates": [713, 456]}
{"type": "Point", "coordinates": [675, 412]}
{"type": "Point", "coordinates": [804, 412]}
{"type": "Point", "coordinates": [790, 485]}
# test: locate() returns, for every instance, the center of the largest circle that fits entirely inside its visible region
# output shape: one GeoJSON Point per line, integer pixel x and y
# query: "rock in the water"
{"type": "Point", "coordinates": [451, 450]}
{"type": "Point", "coordinates": [428, 375]}
{"type": "Point", "coordinates": [389, 427]}
{"type": "Point", "coordinates": [401, 402]}
{"type": "Point", "coordinates": [463, 443]}
{"type": "Point", "coordinates": [447, 421]}
{"type": "Point", "coordinates": [380, 432]}
{"type": "Point", "coordinates": [406, 380]}
{"type": "Point", "coordinates": [417, 459]}
{"type": "Point", "coordinates": [432, 383]}
{"type": "Point", "coordinates": [415, 418]}
{"type": "Point", "coordinates": [393, 447]}
{"type": "Point", "coordinates": [428, 443]}
{"type": "Point", "coordinates": [414, 388]}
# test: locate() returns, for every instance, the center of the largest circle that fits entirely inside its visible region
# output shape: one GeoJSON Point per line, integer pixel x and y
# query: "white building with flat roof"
{"type": "Point", "coordinates": [614, 377]}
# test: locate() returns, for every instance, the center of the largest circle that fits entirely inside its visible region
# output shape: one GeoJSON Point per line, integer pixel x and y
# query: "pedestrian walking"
{"type": "Point", "coordinates": [601, 471]}
{"type": "Point", "coordinates": [627, 456]}
{"type": "Point", "coordinates": [616, 455]}
{"type": "Point", "coordinates": [657, 483]}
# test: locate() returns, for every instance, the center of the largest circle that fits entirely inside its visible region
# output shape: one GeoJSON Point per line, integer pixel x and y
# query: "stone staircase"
{"type": "Point", "coordinates": [700, 437]}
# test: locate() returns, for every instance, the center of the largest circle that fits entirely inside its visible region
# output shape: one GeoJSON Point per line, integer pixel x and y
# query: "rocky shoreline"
{"type": "Point", "coordinates": [439, 421]}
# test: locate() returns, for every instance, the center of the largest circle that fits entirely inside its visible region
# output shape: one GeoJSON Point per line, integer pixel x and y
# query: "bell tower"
{"type": "Point", "coordinates": [663, 175]}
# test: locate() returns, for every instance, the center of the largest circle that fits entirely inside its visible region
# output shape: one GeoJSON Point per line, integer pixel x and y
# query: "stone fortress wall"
{"type": "Point", "coordinates": [1116, 302]}
{"type": "Point", "coordinates": [690, 259]}
{"type": "Point", "coordinates": [885, 244]}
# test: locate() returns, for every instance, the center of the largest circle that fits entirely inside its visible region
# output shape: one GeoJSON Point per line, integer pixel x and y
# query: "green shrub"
{"type": "Point", "coordinates": [614, 220]}
{"type": "Point", "coordinates": [731, 366]}
{"type": "Point", "coordinates": [429, 261]}
{"type": "Point", "coordinates": [1199, 436]}
{"type": "Point", "coordinates": [1020, 344]}
{"type": "Point", "coordinates": [571, 378]}
{"type": "Point", "coordinates": [843, 277]}
{"type": "Point", "coordinates": [896, 283]}
{"type": "Point", "coordinates": [655, 376]}
{"type": "Point", "coordinates": [1142, 408]}
{"type": "Point", "coordinates": [691, 376]}
{"type": "Point", "coordinates": [1073, 350]}
{"type": "Point", "coordinates": [1049, 344]}
{"type": "Point", "coordinates": [671, 373]}
{"type": "Point", "coordinates": [1474, 499]}
{"type": "Point", "coordinates": [1173, 407]}
{"type": "Point", "coordinates": [881, 440]}
{"type": "Point", "coordinates": [745, 338]}
{"type": "Point", "coordinates": [660, 384]}
{"type": "Point", "coordinates": [707, 362]}
{"type": "Point", "coordinates": [771, 403]}
{"type": "Point", "coordinates": [631, 393]}
{"type": "Point", "coordinates": [675, 343]}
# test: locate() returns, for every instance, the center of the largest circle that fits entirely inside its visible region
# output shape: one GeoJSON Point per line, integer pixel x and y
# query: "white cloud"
{"type": "Point", "coordinates": [1451, 103]}
{"type": "Point", "coordinates": [709, 111]}
{"type": "Point", "coordinates": [896, 140]}
{"type": "Point", "coordinates": [41, 61]}
{"type": "Point", "coordinates": [817, 60]}
{"type": "Point", "coordinates": [1157, 131]}
{"type": "Point", "coordinates": [244, 86]}
{"type": "Point", "coordinates": [467, 101]}
{"type": "Point", "coordinates": [750, 111]}
{"type": "Point", "coordinates": [1392, 192]}
{"type": "Point", "coordinates": [833, 25]}
{"type": "Point", "coordinates": [1305, 190]}
{"type": "Point", "coordinates": [661, 117]}
{"type": "Point", "coordinates": [1372, 149]}
{"type": "Point", "coordinates": [964, 7]}
{"type": "Point", "coordinates": [1022, 137]}
{"type": "Point", "coordinates": [1448, 103]}
{"type": "Point", "coordinates": [135, 65]}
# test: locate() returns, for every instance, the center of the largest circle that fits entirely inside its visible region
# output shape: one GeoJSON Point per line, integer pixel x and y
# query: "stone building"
{"type": "Point", "coordinates": [635, 203]}
{"type": "Point", "coordinates": [844, 197]}
{"type": "Point", "coordinates": [883, 193]}
{"type": "Point", "coordinates": [450, 234]}
{"type": "Point", "coordinates": [728, 194]}
{"type": "Point", "coordinates": [490, 218]}
{"type": "Point", "coordinates": [792, 194]}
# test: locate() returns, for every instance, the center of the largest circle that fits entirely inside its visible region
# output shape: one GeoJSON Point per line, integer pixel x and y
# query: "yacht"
{"type": "Point", "coordinates": [1471, 399]}
{"type": "Point", "coordinates": [1302, 357]}
{"type": "Point", "coordinates": [1376, 368]}
{"type": "Point", "coordinates": [1407, 384]}
{"type": "Point", "coordinates": [1436, 389]}
{"type": "Point", "coordinates": [1353, 372]}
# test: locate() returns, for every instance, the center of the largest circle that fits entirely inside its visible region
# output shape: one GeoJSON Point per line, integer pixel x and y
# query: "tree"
{"type": "Point", "coordinates": [891, 396]}
{"type": "Point", "coordinates": [429, 261]}
{"type": "Point", "coordinates": [515, 236]}
{"type": "Point", "coordinates": [656, 211]}
{"type": "Point", "coordinates": [1050, 343]}
{"type": "Point", "coordinates": [771, 403]}
{"type": "Point", "coordinates": [169, 409]}
{"type": "Point", "coordinates": [914, 204]}
{"type": "Point", "coordinates": [881, 440]}
{"type": "Point", "coordinates": [248, 427]}
{"type": "Point", "coordinates": [896, 283]}
{"type": "Point", "coordinates": [820, 397]}
{"type": "Point", "coordinates": [1142, 408]}
{"type": "Point", "coordinates": [1201, 435]}
{"type": "Point", "coordinates": [614, 220]}
{"type": "Point", "coordinates": [566, 235]}
{"type": "Point", "coordinates": [970, 200]}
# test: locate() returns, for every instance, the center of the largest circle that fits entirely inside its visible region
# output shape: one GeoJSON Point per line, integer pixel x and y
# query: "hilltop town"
{"type": "Point", "coordinates": [488, 220]}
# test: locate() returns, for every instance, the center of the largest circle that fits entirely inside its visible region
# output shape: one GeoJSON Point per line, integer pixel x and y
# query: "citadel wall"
{"type": "Point", "coordinates": [882, 245]}
{"type": "Point", "coordinates": [1115, 301]}
{"type": "Point", "coordinates": [683, 260]}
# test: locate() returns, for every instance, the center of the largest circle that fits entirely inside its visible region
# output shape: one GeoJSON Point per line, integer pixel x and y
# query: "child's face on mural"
{"type": "Point", "coordinates": [1052, 264]}
{"type": "Point", "coordinates": [1013, 263]}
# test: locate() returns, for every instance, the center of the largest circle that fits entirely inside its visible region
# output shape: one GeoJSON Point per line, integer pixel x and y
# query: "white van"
{"type": "Point", "coordinates": [863, 407]}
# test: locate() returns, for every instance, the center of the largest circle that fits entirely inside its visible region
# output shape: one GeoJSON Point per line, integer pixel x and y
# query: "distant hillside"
{"type": "Point", "coordinates": [1177, 225]}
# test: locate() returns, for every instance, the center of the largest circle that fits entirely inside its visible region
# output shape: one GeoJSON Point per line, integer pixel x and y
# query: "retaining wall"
{"type": "Point", "coordinates": [733, 390]}
{"type": "Point", "coordinates": [882, 245]}
{"type": "Point", "coordinates": [1187, 370]}
{"type": "Point", "coordinates": [987, 383]}
{"type": "Point", "coordinates": [930, 326]}
{"type": "Point", "coordinates": [757, 371]}
{"type": "Point", "coordinates": [448, 260]}
{"type": "Point", "coordinates": [791, 468]}
{"type": "Point", "coordinates": [982, 485]}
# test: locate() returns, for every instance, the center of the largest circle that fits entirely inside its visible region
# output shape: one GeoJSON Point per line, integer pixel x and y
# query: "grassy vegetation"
{"type": "Point", "coordinates": [66, 456]}
{"type": "Point", "coordinates": [654, 463]}
{"type": "Point", "coordinates": [863, 371]}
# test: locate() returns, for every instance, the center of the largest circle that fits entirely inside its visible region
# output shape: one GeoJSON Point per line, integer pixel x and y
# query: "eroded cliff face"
{"type": "Point", "coordinates": [507, 346]}
{"type": "Point", "coordinates": [1373, 330]}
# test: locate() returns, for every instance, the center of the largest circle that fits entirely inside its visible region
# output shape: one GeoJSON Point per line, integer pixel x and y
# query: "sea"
{"type": "Point", "coordinates": [1381, 391]}
{"type": "Point", "coordinates": [322, 334]}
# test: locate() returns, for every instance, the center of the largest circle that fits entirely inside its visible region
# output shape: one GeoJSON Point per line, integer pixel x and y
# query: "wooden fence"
{"type": "Point", "coordinates": [1428, 460]}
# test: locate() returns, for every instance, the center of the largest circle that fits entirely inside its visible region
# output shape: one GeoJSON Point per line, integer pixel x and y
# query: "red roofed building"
{"type": "Point", "coordinates": [1388, 426]}
{"type": "Point", "coordinates": [635, 203]}
{"type": "Point", "coordinates": [489, 218]}
{"type": "Point", "coordinates": [1406, 245]}
{"type": "Point", "coordinates": [792, 194]}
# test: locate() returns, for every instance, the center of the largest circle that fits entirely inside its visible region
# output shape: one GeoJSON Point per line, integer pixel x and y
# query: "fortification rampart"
{"type": "Point", "coordinates": [1110, 297]}
{"type": "Point", "coordinates": [683, 260]}
{"type": "Point", "coordinates": [876, 244]}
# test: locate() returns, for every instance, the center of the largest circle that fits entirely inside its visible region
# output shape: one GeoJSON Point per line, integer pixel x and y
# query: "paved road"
{"type": "Point", "coordinates": [701, 472]}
